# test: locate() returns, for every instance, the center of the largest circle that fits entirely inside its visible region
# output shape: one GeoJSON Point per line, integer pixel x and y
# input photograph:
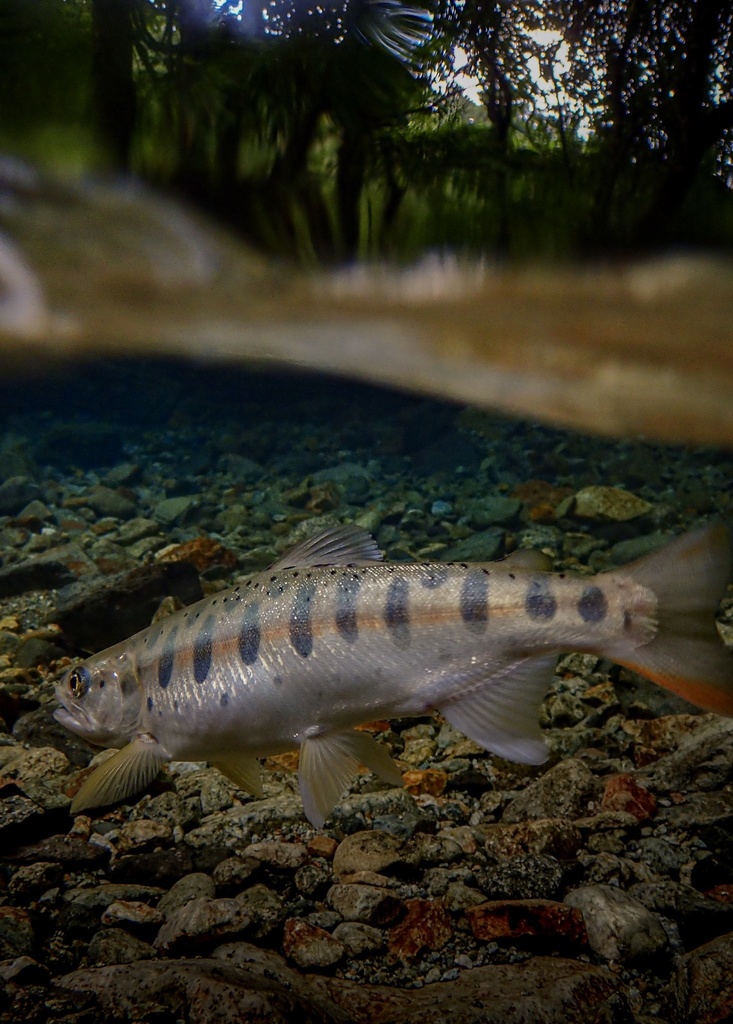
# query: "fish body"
{"type": "Point", "coordinates": [330, 637]}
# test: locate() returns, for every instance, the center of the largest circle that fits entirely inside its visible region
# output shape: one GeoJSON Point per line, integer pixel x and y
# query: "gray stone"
{"type": "Point", "coordinates": [368, 903]}
{"type": "Point", "coordinates": [703, 761]}
{"type": "Point", "coordinates": [16, 932]}
{"type": "Point", "coordinates": [526, 876]}
{"type": "Point", "coordinates": [117, 946]}
{"type": "Point", "coordinates": [629, 550]}
{"type": "Point", "coordinates": [620, 928]}
{"type": "Point", "coordinates": [479, 547]}
{"type": "Point", "coordinates": [565, 791]}
{"type": "Point", "coordinates": [202, 921]}
{"type": "Point", "coordinates": [106, 501]}
{"type": "Point", "coordinates": [137, 529]}
{"type": "Point", "coordinates": [367, 851]}
{"type": "Point", "coordinates": [359, 939]}
{"type": "Point", "coordinates": [173, 510]}
{"type": "Point", "coordinates": [15, 492]}
{"type": "Point", "coordinates": [698, 917]}
{"type": "Point", "coordinates": [37, 650]}
{"type": "Point", "coordinates": [489, 511]}
{"type": "Point", "coordinates": [191, 887]}
{"type": "Point", "coordinates": [48, 570]}
{"type": "Point", "coordinates": [285, 856]}
{"type": "Point", "coordinates": [100, 612]}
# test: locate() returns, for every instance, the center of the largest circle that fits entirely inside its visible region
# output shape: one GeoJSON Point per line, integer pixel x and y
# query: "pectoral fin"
{"type": "Point", "coordinates": [243, 771]}
{"type": "Point", "coordinates": [502, 713]}
{"type": "Point", "coordinates": [328, 764]}
{"type": "Point", "coordinates": [126, 772]}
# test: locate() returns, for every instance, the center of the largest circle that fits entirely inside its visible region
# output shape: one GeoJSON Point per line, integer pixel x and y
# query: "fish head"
{"type": "Point", "coordinates": [100, 700]}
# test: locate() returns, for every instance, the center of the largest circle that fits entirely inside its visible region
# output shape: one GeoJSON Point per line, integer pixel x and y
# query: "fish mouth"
{"type": "Point", "coordinates": [70, 719]}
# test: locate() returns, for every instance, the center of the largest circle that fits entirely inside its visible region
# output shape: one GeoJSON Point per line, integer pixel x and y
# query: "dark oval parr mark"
{"type": "Point", "coordinates": [347, 591]}
{"type": "Point", "coordinates": [167, 657]}
{"type": "Point", "coordinates": [592, 605]}
{"type": "Point", "coordinates": [474, 601]}
{"type": "Point", "coordinates": [202, 651]}
{"type": "Point", "coordinates": [540, 602]}
{"type": "Point", "coordinates": [397, 612]}
{"type": "Point", "coordinates": [249, 635]}
{"type": "Point", "coordinates": [301, 629]}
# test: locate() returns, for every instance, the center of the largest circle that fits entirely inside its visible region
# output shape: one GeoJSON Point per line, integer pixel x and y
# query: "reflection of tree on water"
{"type": "Point", "coordinates": [330, 130]}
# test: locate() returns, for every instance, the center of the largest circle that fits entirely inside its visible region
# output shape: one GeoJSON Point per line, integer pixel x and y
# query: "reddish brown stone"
{"type": "Point", "coordinates": [721, 893]}
{"type": "Point", "coordinates": [426, 926]}
{"type": "Point", "coordinates": [623, 793]}
{"type": "Point", "coordinates": [321, 846]}
{"type": "Point", "coordinates": [201, 552]}
{"type": "Point", "coordinates": [431, 781]}
{"type": "Point", "coordinates": [516, 919]}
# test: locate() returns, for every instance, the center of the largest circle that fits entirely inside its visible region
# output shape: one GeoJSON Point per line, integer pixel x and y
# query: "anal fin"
{"type": "Point", "coordinates": [501, 713]}
{"type": "Point", "coordinates": [244, 771]}
{"type": "Point", "coordinates": [328, 764]}
{"type": "Point", "coordinates": [129, 770]}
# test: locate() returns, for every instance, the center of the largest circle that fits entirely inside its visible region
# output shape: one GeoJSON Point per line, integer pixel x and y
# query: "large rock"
{"type": "Point", "coordinates": [242, 983]}
{"type": "Point", "coordinates": [48, 570]}
{"type": "Point", "coordinates": [98, 613]}
{"type": "Point", "coordinates": [700, 991]}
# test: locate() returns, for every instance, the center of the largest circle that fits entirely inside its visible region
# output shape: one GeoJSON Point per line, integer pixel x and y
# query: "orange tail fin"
{"type": "Point", "coordinates": [689, 577]}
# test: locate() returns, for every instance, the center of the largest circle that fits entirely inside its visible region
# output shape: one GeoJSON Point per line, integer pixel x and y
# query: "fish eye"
{"type": "Point", "coordinates": [79, 680]}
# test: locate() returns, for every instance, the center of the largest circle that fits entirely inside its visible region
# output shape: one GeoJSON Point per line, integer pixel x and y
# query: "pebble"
{"type": "Point", "coordinates": [310, 947]}
{"type": "Point", "coordinates": [607, 503]}
{"type": "Point", "coordinates": [359, 939]}
{"type": "Point", "coordinates": [367, 851]}
{"type": "Point", "coordinates": [367, 903]}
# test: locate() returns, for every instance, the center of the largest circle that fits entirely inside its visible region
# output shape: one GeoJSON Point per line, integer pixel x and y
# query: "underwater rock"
{"type": "Point", "coordinates": [606, 503]}
{"type": "Point", "coordinates": [100, 612]}
{"type": "Point", "coordinates": [525, 919]}
{"type": "Point", "coordinates": [15, 493]}
{"type": "Point", "coordinates": [48, 570]}
{"type": "Point", "coordinates": [311, 947]}
{"type": "Point", "coordinates": [700, 991]}
{"type": "Point", "coordinates": [619, 926]}
{"type": "Point", "coordinates": [565, 791]}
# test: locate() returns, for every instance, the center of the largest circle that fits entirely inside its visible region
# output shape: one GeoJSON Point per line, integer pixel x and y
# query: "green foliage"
{"type": "Point", "coordinates": [604, 125]}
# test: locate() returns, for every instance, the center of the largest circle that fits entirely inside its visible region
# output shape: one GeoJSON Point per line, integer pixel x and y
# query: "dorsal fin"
{"type": "Point", "coordinates": [339, 545]}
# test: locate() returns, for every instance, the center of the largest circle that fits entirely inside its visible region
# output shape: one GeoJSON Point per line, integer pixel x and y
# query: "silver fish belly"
{"type": "Point", "coordinates": [330, 638]}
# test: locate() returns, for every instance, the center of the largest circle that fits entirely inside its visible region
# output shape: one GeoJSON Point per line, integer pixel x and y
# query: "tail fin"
{"type": "Point", "coordinates": [686, 655]}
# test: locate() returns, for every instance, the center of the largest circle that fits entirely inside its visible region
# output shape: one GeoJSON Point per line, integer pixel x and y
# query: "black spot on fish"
{"type": "Point", "coordinates": [150, 703]}
{"type": "Point", "coordinates": [540, 602]}
{"type": "Point", "coordinates": [474, 601]}
{"type": "Point", "coordinates": [277, 680]}
{"type": "Point", "coordinates": [167, 657]}
{"type": "Point", "coordinates": [224, 699]}
{"type": "Point", "coordinates": [347, 591]}
{"type": "Point", "coordinates": [202, 650]}
{"type": "Point", "coordinates": [250, 635]}
{"type": "Point", "coordinates": [301, 630]}
{"type": "Point", "coordinates": [434, 577]}
{"type": "Point", "coordinates": [397, 612]}
{"type": "Point", "coordinates": [592, 605]}
{"type": "Point", "coordinates": [101, 684]}
{"type": "Point", "coordinates": [628, 621]}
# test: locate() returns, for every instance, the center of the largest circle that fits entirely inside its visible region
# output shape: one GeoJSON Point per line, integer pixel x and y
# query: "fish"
{"type": "Point", "coordinates": [331, 637]}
